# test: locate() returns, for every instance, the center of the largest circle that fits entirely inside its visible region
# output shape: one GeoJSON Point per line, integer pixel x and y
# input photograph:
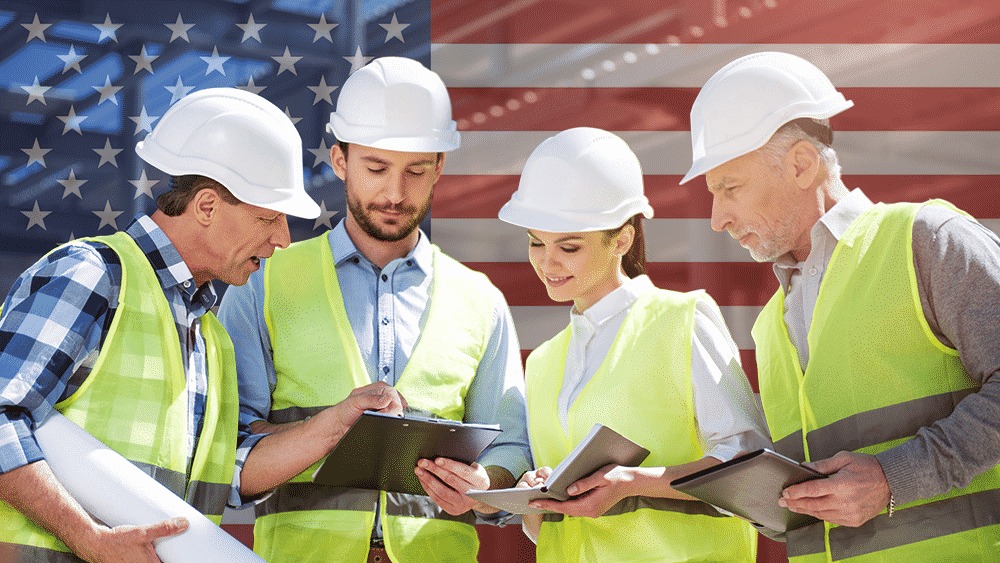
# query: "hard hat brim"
{"type": "Point", "coordinates": [442, 140]}
{"type": "Point", "coordinates": [521, 215]}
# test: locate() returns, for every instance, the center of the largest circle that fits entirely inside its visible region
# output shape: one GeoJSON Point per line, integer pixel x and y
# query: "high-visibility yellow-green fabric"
{"type": "Point", "coordinates": [876, 375]}
{"type": "Point", "coordinates": [318, 362]}
{"type": "Point", "coordinates": [135, 401]}
{"type": "Point", "coordinates": [642, 390]}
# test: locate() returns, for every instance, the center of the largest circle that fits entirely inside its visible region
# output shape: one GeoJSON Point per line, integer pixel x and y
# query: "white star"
{"type": "Point", "coordinates": [143, 121]}
{"type": "Point", "coordinates": [251, 87]}
{"type": "Point", "coordinates": [72, 185]}
{"type": "Point", "coordinates": [107, 29]}
{"type": "Point", "coordinates": [394, 29]}
{"type": "Point", "coordinates": [108, 216]}
{"type": "Point", "coordinates": [108, 154]}
{"type": "Point", "coordinates": [251, 29]}
{"type": "Point", "coordinates": [321, 154]}
{"type": "Point", "coordinates": [322, 91]}
{"type": "Point", "coordinates": [324, 216]}
{"type": "Point", "coordinates": [179, 29]}
{"type": "Point", "coordinates": [143, 60]}
{"type": "Point", "coordinates": [72, 121]}
{"type": "Point", "coordinates": [36, 92]}
{"type": "Point", "coordinates": [36, 29]}
{"type": "Point", "coordinates": [143, 185]}
{"type": "Point", "coordinates": [322, 29]}
{"type": "Point", "coordinates": [35, 154]}
{"type": "Point", "coordinates": [36, 217]}
{"type": "Point", "coordinates": [287, 62]}
{"type": "Point", "coordinates": [215, 62]}
{"type": "Point", "coordinates": [107, 91]}
{"type": "Point", "coordinates": [358, 60]}
{"type": "Point", "coordinates": [178, 90]}
{"type": "Point", "coordinates": [71, 60]}
{"type": "Point", "coordinates": [288, 114]}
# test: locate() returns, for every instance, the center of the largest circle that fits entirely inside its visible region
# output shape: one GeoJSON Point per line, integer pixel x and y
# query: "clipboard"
{"type": "Point", "coordinates": [379, 451]}
{"type": "Point", "coordinates": [750, 485]}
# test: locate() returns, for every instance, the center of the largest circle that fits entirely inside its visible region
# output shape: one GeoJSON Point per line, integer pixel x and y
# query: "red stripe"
{"type": "Point", "coordinates": [668, 109]}
{"type": "Point", "coordinates": [482, 196]}
{"type": "Point", "coordinates": [694, 21]}
{"type": "Point", "coordinates": [729, 283]}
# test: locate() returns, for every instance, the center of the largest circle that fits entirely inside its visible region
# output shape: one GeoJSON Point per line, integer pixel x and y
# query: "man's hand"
{"type": "Point", "coordinates": [534, 478]}
{"type": "Point", "coordinates": [380, 397]}
{"type": "Point", "coordinates": [855, 491]}
{"type": "Point", "coordinates": [446, 482]}
{"type": "Point", "coordinates": [130, 543]}
{"type": "Point", "coordinates": [594, 494]}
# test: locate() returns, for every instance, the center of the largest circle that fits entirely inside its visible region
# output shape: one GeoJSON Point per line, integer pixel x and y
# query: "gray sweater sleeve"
{"type": "Point", "coordinates": [958, 276]}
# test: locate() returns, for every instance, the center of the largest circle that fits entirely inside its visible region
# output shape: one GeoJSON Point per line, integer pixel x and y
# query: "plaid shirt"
{"type": "Point", "coordinates": [56, 318]}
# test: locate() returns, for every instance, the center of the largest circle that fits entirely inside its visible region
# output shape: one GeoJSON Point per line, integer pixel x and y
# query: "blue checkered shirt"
{"type": "Point", "coordinates": [57, 316]}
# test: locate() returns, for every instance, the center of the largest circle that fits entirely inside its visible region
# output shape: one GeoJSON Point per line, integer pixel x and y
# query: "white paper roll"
{"type": "Point", "coordinates": [116, 492]}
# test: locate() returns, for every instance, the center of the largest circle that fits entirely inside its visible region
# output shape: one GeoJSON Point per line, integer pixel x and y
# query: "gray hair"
{"type": "Point", "coordinates": [818, 133]}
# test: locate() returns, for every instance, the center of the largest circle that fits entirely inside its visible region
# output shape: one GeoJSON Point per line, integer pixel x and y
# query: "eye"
{"type": "Point", "coordinates": [416, 172]}
{"type": "Point", "coordinates": [535, 244]}
{"type": "Point", "coordinates": [378, 170]}
{"type": "Point", "coordinates": [569, 249]}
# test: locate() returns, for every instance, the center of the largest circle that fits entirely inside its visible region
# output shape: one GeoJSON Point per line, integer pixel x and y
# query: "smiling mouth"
{"type": "Point", "coordinates": [556, 281]}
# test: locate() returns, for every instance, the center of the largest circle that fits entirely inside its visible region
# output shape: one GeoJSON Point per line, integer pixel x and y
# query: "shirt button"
{"type": "Point", "coordinates": [355, 260]}
{"type": "Point", "coordinates": [385, 369]}
{"type": "Point", "coordinates": [187, 283]}
{"type": "Point", "coordinates": [812, 271]}
{"type": "Point", "coordinates": [385, 320]}
{"type": "Point", "coordinates": [385, 277]}
{"type": "Point", "coordinates": [409, 262]}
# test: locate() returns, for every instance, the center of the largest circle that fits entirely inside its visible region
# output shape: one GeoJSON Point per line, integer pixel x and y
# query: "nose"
{"type": "Point", "coordinates": [395, 189]}
{"type": "Point", "coordinates": [281, 238]}
{"type": "Point", "coordinates": [721, 218]}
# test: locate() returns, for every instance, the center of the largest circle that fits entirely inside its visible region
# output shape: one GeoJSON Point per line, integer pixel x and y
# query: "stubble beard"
{"type": "Point", "coordinates": [410, 221]}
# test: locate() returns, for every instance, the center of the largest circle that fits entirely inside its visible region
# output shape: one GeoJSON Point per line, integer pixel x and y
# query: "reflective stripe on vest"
{"type": "Point", "coordinates": [310, 333]}
{"type": "Point", "coordinates": [135, 399]}
{"type": "Point", "coordinates": [876, 375]}
{"type": "Point", "coordinates": [643, 391]}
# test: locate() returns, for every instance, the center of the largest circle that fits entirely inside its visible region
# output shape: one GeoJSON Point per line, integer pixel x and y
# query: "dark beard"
{"type": "Point", "coordinates": [363, 219]}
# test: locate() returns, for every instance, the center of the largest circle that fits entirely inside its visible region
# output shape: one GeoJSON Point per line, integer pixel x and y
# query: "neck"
{"type": "Point", "coordinates": [584, 302]}
{"type": "Point", "coordinates": [826, 197]}
{"type": "Point", "coordinates": [380, 252]}
{"type": "Point", "coordinates": [185, 238]}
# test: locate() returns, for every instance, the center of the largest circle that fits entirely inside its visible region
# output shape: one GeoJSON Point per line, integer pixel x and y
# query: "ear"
{"type": "Point", "coordinates": [439, 166]}
{"type": "Point", "coordinates": [623, 240]}
{"type": "Point", "coordinates": [205, 204]}
{"type": "Point", "coordinates": [802, 163]}
{"type": "Point", "coordinates": [339, 161]}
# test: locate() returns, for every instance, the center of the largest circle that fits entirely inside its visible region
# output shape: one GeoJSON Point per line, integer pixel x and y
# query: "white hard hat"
{"type": "Point", "coordinates": [238, 139]}
{"type": "Point", "coordinates": [582, 179]}
{"type": "Point", "coordinates": [394, 103]}
{"type": "Point", "coordinates": [745, 102]}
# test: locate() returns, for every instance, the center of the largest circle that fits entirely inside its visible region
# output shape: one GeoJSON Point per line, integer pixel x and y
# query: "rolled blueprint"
{"type": "Point", "coordinates": [116, 492]}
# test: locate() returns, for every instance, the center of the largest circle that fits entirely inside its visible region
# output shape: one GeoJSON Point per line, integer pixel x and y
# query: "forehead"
{"type": "Point", "coordinates": [372, 154]}
{"type": "Point", "coordinates": [550, 237]}
{"type": "Point", "coordinates": [740, 168]}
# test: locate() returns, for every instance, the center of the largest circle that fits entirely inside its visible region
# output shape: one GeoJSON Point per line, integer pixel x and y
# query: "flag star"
{"type": "Point", "coordinates": [288, 114]}
{"type": "Point", "coordinates": [358, 60]}
{"type": "Point", "coordinates": [215, 62]}
{"type": "Point", "coordinates": [179, 29]}
{"type": "Point", "coordinates": [143, 121]}
{"type": "Point", "coordinates": [36, 92]}
{"type": "Point", "coordinates": [36, 29]}
{"type": "Point", "coordinates": [72, 121]}
{"type": "Point", "coordinates": [287, 62]}
{"type": "Point", "coordinates": [107, 29]}
{"type": "Point", "coordinates": [394, 29]}
{"type": "Point", "coordinates": [321, 154]}
{"type": "Point", "coordinates": [71, 60]}
{"type": "Point", "coordinates": [108, 154]}
{"type": "Point", "coordinates": [325, 216]}
{"type": "Point", "coordinates": [107, 91]}
{"type": "Point", "coordinates": [144, 60]}
{"type": "Point", "coordinates": [322, 29]}
{"type": "Point", "coordinates": [178, 90]}
{"type": "Point", "coordinates": [36, 217]}
{"type": "Point", "coordinates": [143, 185]}
{"type": "Point", "coordinates": [108, 216]}
{"type": "Point", "coordinates": [72, 185]}
{"type": "Point", "coordinates": [251, 29]}
{"type": "Point", "coordinates": [36, 154]}
{"type": "Point", "coordinates": [251, 87]}
{"type": "Point", "coordinates": [322, 91]}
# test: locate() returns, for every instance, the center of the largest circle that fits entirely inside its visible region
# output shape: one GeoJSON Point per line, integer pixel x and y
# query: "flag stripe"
{"type": "Point", "coordinates": [653, 108]}
{"type": "Point", "coordinates": [606, 65]}
{"type": "Point", "coordinates": [669, 152]}
{"type": "Point", "coordinates": [740, 21]}
{"type": "Point", "coordinates": [458, 196]}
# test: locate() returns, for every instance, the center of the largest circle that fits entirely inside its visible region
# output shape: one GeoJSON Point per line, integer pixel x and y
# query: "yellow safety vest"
{"type": "Point", "coordinates": [642, 390]}
{"type": "Point", "coordinates": [135, 401]}
{"type": "Point", "coordinates": [318, 362]}
{"type": "Point", "coordinates": [876, 375]}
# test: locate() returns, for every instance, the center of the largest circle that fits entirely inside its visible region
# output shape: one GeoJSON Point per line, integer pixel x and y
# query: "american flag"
{"type": "Point", "coordinates": [82, 82]}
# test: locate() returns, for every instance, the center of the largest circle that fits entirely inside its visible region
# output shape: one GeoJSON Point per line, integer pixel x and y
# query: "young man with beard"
{"type": "Point", "coordinates": [373, 301]}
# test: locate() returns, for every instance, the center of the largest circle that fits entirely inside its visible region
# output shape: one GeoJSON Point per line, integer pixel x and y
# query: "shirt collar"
{"type": "Point", "coordinates": [620, 299]}
{"type": "Point", "coordinates": [344, 249]}
{"type": "Point", "coordinates": [170, 268]}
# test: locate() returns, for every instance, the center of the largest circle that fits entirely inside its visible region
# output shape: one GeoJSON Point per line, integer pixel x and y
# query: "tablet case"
{"type": "Point", "coordinates": [380, 451]}
{"type": "Point", "coordinates": [749, 486]}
